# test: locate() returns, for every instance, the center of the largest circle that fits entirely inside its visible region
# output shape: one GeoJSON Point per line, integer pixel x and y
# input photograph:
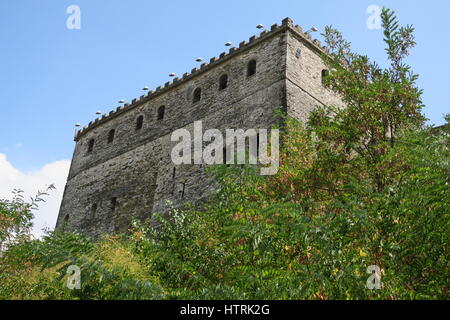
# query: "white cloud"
{"type": "Point", "coordinates": [30, 182]}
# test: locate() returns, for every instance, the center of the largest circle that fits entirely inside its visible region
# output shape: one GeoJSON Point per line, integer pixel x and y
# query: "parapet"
{"type": "Point", "coordinates": [286, 23]}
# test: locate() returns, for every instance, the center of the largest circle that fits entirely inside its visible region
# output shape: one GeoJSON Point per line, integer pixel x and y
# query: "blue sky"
{"type": "Point", "coordinates": [52, 77]}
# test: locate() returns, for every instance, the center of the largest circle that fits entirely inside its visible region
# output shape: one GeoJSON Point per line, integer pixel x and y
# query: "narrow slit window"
{"type": "Point", "coordinates": [183, 190]}
{"type": "Point", "coordinates": [94, 210]}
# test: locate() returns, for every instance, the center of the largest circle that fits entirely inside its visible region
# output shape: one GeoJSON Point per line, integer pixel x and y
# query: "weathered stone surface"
{"type": "Point", "coordinates": [133, 176]}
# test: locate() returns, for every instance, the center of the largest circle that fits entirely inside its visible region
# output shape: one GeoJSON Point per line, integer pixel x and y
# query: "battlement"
{"type": "Point", "coordinates": [286, 24]}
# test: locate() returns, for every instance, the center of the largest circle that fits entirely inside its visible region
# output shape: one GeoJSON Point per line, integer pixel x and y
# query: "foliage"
{"type": "Point", "coordinates": [280, 238]}
{"type": "Point", "coordinates": [16, 216]}
{"type": "Point", "coordinates": [379, 102]}
{"type": "Point", "coordinates": [110, 270]}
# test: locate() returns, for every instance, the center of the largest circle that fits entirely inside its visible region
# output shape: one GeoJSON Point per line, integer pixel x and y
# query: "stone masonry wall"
{"type": "Point", "coordinates": [304, 78]}
{"type": "Point", "coordinates": [133, 176]}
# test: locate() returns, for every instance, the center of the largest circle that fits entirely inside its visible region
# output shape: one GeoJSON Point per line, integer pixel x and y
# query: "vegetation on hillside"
{"type": "Point", "coordinates": [363, 186]}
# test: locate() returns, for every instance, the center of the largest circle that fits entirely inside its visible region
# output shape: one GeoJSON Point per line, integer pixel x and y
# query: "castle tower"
{"type": "Point", "coordinates": [121, 167]}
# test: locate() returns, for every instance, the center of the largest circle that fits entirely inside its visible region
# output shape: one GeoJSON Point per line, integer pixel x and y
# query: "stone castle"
{"type": "Point", "coordinates": [121, 167]}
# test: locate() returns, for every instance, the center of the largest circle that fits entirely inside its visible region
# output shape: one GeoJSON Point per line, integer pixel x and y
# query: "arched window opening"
{"type": "Point", "coordinates": [90, 145]}
{"type": "Point", "coordinates": [161, 111]}
{"type": "Point", "coordinates": [139, 122]}
{"type": "Point", "coordinates": [325, 74]}
{"type": "Point", "coordinates": [223, 82]}
{"type": "Point", "coordinates": [251, 68]}
{"type": "Point", "coordinates": [111, 134]}
{"type": "Point", "coordinates": [197, 95]}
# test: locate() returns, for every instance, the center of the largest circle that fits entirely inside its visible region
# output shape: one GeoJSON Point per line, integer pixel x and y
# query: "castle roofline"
{"type": "Point", "coordinates": [286, 24]}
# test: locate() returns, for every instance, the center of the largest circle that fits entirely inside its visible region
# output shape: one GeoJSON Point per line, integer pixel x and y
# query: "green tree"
{"type": "Point", "coordinates": [16, 217]}
{"type": "Point", "coordinates": [379, 102]}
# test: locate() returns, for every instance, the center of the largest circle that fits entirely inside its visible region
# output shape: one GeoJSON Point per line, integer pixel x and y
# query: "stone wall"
{"type": "Point", "coordinates": [136, 169]}
{"type": "Point", "coordinates": [133, 176]}
{"type": "Point", "coordinates": [304, 78]}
